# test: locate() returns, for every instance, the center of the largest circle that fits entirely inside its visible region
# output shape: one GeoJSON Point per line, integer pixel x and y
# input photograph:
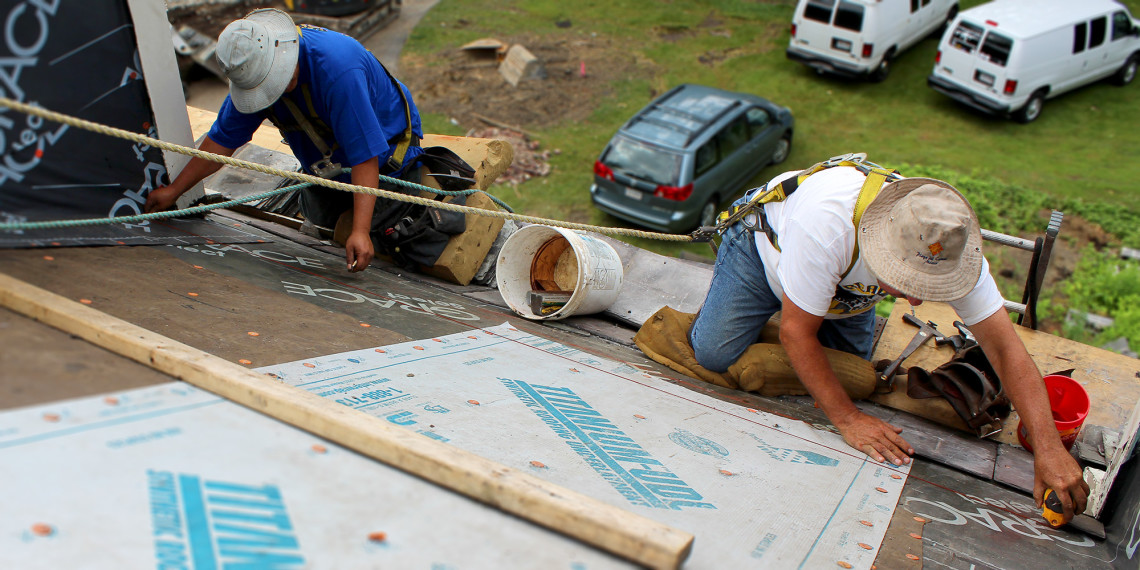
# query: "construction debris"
{"type": "Point", "coordinates": [521, 64]}
{"type": "Point", "coordinates": [528, 161]}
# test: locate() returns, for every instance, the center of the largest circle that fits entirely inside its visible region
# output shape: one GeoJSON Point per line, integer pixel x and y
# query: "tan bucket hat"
{"type": "Point", "coordinates": [258, 54]}
{"type": "Point", "coordinates": [921, 237]}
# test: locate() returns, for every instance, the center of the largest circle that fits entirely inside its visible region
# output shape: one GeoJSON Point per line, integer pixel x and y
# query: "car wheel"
{"type": "Point", "coordinates": [1128, 72]}
{"type": "Point", "coordinates": [783, 147]}
{"type": "Point", "coordinates": [884, 68]}
{"type": "Point", "coordinates": [709, 212]}
{"type": "Point", "coordinates": [1032, 108]}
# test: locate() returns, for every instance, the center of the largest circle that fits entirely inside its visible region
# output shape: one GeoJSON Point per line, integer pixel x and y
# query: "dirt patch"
{"type": "Point", "coordinates": [211, 20]}
{"type": "Point", "coordinates": [579, 69]}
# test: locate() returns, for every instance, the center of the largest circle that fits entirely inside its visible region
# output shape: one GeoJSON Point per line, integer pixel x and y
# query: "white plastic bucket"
{"type": "Point", "coordinates": [545, 259]}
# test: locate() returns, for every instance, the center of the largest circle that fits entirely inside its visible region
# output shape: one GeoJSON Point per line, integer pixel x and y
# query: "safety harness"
{"type": "Point", "coordinates": [876, 175]}
{"type": "Point", "coordinates": [321, 134]}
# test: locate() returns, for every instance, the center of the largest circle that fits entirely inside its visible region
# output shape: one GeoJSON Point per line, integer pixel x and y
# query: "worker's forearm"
{"type": "Point", "coordinates": [199, 168]}
{"type": "Point", "coordinates": [814, 370]}
{"type": "Point", "coordinates": [366, 174]}
{"type": "Point", "coordinates": [1019, 376]}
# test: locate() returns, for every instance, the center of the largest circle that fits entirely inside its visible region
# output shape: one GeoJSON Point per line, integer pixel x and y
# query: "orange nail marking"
{"type": "Point", "coordinates": [198, 267]}
{"type": "Point", "coordinates": [192, 294]}
{"type": "Point", "coordinates": [916, 536]}
{"type": "Point", "coordinates": [244, 361]}
{"type": "Point", "coordinates": [111, 401]}
{"type": "Point", "coordinates": [121, 242]}
{"type": "Point", "coordinates": [843, 564]}
{"type": "Point", "coordinates": [253, 333]}
{"type": "Point", "coordinates": [365, 325]}
{"type": "Point", "coordinates": [50, 417]}
{"type": "Point", "coordinates": [418, 347]}
{"type": "Point", "coordinates": [42, 529]}
{"type": "Point", "coordinates": [56, 243]}
{"type": "Point", "coordinates": [919, 519]}
{"type": "Point", "coordinates": [381, 351]}
{"type": "Point", "coordinates": [727, 473]}
{"type": "Point", "coordinates": [473, 402]}
{"type": "Point", "coordinates": [538, 464]}
{"type": "Point", "coordinates": [639, 416]}
{"type": "Point", "coordinates": [866, 523]}
{"type": "Point", "coordinates": [309, 365]}
{"type": "Point", "coordinates": [471, 336]}
{"type": "Point", "coordinates": [49, 258]}
{"type": "Point", "coordinates": [880, 489]}
{"type": "Point", "coordinates": [753, 411]}
{"type": "Point", "coordinates": [85, 301]}
{"type": "Point", "coordinates": [895, 476]}
{"type": "Point", "coordinates": [320, 448]}
{"type": "Point", "coordinates": [865, 546]}
{"type": "Point", "coordinates": [912, 557]}
{"type": "Point", "coordinates": [378, 536]}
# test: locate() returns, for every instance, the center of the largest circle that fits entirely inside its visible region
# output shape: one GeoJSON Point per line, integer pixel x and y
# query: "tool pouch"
{"type": "Point", "coordinates": [971, 386]}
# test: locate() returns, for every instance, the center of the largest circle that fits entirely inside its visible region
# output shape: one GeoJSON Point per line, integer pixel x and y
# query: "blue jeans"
{"type": "Point", "coordinates": [739, 303]}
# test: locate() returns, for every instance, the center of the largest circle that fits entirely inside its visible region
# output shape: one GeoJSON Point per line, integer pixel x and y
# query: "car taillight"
{"type": "Point", "coordinates": [793, 29]}
{"type": "Point", "coordinates": [938, 56]}
{"type": "Point", "coordinates": [868, 49]}
{"type": "Point", "coordinates": [677, 193]}
{"type": "Point", "coordinates": [1010, 87]}
{"type": "Point", "coordinates": [603, 170]}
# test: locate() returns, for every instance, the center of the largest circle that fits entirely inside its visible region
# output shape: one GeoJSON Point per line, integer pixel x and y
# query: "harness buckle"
{"type": "Point", "coordinates": [326, 168]}
{"type": "Point", "coordinates": [856, 157]}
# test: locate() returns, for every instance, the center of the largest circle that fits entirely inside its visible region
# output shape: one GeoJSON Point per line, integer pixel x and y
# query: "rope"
{"type": "Point", "coordinates": [299, 177]}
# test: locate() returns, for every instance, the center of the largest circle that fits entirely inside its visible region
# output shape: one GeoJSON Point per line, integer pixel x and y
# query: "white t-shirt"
{"type": "Point", "coordinates": [816, 234]}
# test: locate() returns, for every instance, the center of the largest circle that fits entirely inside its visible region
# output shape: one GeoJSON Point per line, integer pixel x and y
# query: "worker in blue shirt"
{"type": "Point", "coordinates": [334, 103]}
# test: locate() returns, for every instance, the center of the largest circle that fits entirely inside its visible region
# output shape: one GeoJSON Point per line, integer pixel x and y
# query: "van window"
{"type": "Point", "coordinates": [849, 16]}
{"type": "Point", "coordinates": [996, 48]}
{"type": "Point", "coordinates": [1097, 31]}
{"type": "Point", "coordinates": [706, 158]}
{"type": "Point", "coordinates": [758, 120]}
{"type": "Point", "coordinates": [913, 6]}
{"type": "Point", "coordinates": [1080, 37]}
{"type": "Point", "coordinates": [1121, 25]}
{"type": "Point", "coordinates": [643, 161]}
{"type": "Point", "coordinates": [966, 37]}
{"type": "Point", "coordinates": [819, 10]}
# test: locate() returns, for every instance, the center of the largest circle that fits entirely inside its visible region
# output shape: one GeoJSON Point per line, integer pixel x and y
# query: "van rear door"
{"type": "Point", "coordinates": [976, 57]}
{"type": "Point", "coordinates": [832, 28]}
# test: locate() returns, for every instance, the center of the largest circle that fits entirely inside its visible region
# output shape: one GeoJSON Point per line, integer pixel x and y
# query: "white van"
{"type": "Point", "coordinates": [860, 38]}
{"type": "Point", "coordinates": [1006, 57]}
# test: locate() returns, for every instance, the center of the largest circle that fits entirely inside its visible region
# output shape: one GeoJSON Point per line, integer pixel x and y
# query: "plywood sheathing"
{"type": "Point", "coordinates": [152, 289]}
{"type": "Point", "coordinates": [41, 364]}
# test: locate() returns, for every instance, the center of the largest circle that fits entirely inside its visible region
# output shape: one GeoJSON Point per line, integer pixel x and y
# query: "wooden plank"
{"type": "Point", "coordinates": [1014, 467]}
{"type": "Point", "coordinates": [1110, 379]}
{"type": "Point", "coordinates": [606, 527]}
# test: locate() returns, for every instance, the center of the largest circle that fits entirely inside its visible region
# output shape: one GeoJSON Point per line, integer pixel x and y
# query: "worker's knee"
{"type": "Point", "coordinates": [710, 354]}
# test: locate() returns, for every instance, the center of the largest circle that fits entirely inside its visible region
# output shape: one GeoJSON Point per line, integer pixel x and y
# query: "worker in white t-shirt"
{"type": "Point", "coordinates": [919, 239]}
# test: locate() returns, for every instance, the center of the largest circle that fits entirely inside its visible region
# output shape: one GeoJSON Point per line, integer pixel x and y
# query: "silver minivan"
{"type": "Point", "coordinates": [670, 166]}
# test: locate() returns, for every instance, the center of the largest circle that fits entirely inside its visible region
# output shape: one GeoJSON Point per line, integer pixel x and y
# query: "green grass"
{"type": "Point", "coordinates": [1083, 147]}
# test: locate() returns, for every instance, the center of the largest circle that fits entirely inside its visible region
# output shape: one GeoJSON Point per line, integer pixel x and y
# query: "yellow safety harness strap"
{"type": "Point", "coordinates": [876, 175]}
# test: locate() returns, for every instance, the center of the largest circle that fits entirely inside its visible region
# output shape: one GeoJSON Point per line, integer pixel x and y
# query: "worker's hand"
{"type": "Point", "coordinates": [358, 251]}
{"type": "Point", "coordinates": [161, 199]}
{"type": "Point", "coordinates": [878, 439]}
{"type": "Point", "coordinates": [1054, 468]}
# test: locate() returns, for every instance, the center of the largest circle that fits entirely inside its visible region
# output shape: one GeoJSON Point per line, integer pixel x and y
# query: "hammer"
{"type": "Point", "coordinates": [926, 331]}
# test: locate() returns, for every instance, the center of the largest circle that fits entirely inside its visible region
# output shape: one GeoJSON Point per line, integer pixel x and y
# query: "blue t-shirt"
{"type": "Point", "coordinates": [351, 93]}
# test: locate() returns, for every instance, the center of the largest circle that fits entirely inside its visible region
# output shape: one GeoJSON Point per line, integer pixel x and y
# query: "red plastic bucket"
{"type": "Point", "coordinates": [1070, 405]}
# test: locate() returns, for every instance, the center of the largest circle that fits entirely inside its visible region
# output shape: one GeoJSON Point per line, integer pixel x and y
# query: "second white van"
{"type": "Point", "coordinates": [1008, 56]}
{"type": "Point", "coordinates": [861, 38]}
